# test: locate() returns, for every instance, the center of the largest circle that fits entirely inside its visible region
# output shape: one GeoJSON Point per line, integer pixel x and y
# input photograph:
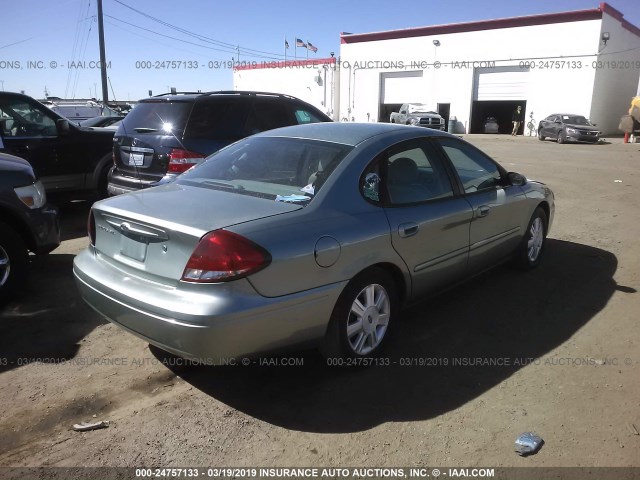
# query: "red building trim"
{"type": "Point", "coordinates": [526, 21]}
{"type": "Point", "coordinates": [316, 62]}
{"type": "Point", "coordinates": [618, 15]}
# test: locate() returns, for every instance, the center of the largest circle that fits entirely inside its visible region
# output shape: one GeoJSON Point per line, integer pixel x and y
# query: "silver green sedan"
{"type": "Point", "coordinates": [308, 234]}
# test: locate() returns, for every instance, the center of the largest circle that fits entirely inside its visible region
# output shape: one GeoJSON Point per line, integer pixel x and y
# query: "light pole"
{"type": "Point", "coordinates": [436, 44]}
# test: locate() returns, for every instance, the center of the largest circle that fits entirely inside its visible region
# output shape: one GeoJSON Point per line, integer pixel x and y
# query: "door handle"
{"type": "Point", "coordinates": [408, 229]}
{"type": "Point", "coordinates": [483, 211]}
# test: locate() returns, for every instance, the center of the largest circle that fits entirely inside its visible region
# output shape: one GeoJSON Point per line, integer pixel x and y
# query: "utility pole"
{"type": "Point", "coordinates": [103, 61]}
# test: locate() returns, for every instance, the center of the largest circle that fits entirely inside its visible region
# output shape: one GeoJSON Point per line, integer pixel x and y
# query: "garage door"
{"type": "Point", "coordinates": [500, 83]}
{"type": "Point", "coordinates": [401, 87]}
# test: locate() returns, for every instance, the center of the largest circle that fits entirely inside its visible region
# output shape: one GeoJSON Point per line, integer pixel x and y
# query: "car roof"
{"type": "Point", "coordinates": [347, 133]}
{"type": "Point", "coordinates": [190, 96]}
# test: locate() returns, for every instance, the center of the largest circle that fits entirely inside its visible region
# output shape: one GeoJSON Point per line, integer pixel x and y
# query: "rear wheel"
{"type": "Point", "coordinates": [13, 262]}
{"type": "Point", "coordinates": [530, 251]}
{"type": "Point", "coordinates": [103, 180]}
{"type": "Point", "coordinates": [362, 317]}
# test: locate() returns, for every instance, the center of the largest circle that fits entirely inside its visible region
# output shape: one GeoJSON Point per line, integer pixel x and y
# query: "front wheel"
{"type": "Point", "coordinates": [362, 317]}
{"type": "Point", "coordinates": [560, 137]}
{"type": "Point", "coordinates": [540, 136]}
{"type": "Point", "coordinates": [14, 262]}
{"type": "Point", "coordinates": [530, 251]}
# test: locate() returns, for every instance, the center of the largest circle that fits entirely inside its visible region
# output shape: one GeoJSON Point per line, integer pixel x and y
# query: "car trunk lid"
{"type": "Point", "coordinates": [154, 232]}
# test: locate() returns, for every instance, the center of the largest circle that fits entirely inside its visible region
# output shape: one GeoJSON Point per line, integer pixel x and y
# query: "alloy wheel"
{"type": "Point", "coordinates": [534, 245]}
{"type": "Point", "coordinates": [368, 319]}
{"type": "Point", "coordinates": [5, 266]}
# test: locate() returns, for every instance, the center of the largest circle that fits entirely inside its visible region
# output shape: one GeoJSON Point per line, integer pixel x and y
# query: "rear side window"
{"type": "Point", "coordinates": [305, 116]}
{"type": "Point", "coordinates": [219, 119]}
{"type": "Point", "coordinates": [157, 117]}
{"type": "Point", "coordinates": [267, 114]}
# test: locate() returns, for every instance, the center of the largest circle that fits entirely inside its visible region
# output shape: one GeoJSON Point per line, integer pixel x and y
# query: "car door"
{"type": "Point", "coordinates": [29, 131]}
{"type": "Point", "coordinates": [556, 126]}
{"type": "Point", "coordinates": [495, 230]}
{"type": "Point", "coordinates": [429, 223]}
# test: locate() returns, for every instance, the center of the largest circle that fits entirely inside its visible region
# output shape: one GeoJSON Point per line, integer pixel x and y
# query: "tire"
{"type": "Point", "coordinates": [540, 136]}
{"type": "Point", "coordinates": [103, 180]}
{"type": "Point", "coordinates": [560, 138]}
{"type": "Point", "coordinates": [530, 251]}
{"type": "Point", "coordinates": [350, 335]}
{"type": "Point", "coordinates": [13, 262]}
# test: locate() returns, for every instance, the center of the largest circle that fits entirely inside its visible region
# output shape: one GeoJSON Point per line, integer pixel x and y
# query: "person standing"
{"type": "Point", "coordinates": [517, 119]}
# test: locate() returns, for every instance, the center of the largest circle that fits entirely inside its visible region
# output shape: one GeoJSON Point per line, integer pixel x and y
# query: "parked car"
{"type": "Point", "coordinates": [63, 155]}
{"type": "Point", "coordinates": [312, 233]}
{"type": "Point", "coordinates": [27, 222]}
{"type": "Point", "coordinates": [166, 135]}
{"type": "Point", "coordinates": [419, 115]}
{"type": "Point", "coordinates": [567, 127]}
{"type": "Point", "coordinates": [491, 125]}
{"type": "Point", "coordinates": [101, 122]}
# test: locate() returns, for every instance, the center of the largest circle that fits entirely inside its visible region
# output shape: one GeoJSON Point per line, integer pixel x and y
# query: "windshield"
{"type": "Point", "coordinates": [575, 120]}
{"type": "Point", "coordinates": [419, 108]}
{"type": "Point", "coordinates": [281, 169]}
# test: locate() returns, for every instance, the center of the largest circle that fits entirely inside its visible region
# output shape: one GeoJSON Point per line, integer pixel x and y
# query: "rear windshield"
{"type": "Point", "coordinates": [157, 117]}
{"type": "Point", "coordinates": [279, 169]}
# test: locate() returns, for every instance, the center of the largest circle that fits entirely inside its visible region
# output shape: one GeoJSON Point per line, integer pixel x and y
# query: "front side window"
{"type": "Point", "coordinates": [24, 119]}
{"type": "Point", "coordinates": [476, 171]}
{"type": "Point", "coordinates": [280, 169]}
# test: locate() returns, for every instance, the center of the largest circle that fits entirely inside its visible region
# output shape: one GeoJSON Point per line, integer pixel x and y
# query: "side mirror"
{"type": "Point", "coordinates": [557, 121]}
{"type": "Point", "coordinates": [516, 179]}
{"type": "Point", "coordinates": [62, 126]}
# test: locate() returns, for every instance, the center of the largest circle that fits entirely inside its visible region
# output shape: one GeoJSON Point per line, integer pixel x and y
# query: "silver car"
{"type": "Point", "coordinates": [308, 234]}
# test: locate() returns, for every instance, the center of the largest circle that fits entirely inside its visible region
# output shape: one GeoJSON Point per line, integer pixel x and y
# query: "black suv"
{"type": "Point", "coordinates": [26, 222]}
{"type": "Point", "coordinates": [166, 135]}
{"type": "Point", "coordinates": [63, 155]}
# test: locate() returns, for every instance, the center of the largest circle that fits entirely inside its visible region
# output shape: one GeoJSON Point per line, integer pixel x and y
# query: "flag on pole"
{"type": "Point", "coordinates": [311, 47]}
{"type": "Point", "coordinates": [286, 44]}
{"type": "Point", "coordinates": [300, 43]}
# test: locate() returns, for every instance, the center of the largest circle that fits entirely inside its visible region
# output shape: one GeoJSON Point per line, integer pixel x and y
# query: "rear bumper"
{"type": "Point", "coordinates": [119, 183]}
{"type": "Point", "coordinates": [207, 323]}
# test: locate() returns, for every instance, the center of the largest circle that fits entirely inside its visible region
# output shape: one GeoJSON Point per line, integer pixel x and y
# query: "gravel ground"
{"type": "Point", "coordinates": [555, 351]}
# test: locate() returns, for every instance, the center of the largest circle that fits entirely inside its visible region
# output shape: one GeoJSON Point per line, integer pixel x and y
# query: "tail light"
{"type": "Point", "coordinates": [181, 160]}
{"type": "Point", "coordinates": [91, 228]}
{"type": "Point", "coordinates": [222, 256]}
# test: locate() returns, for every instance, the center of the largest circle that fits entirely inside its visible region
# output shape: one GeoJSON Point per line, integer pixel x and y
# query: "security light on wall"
{"type": "Point", "coordinates": [605, 37]}
{"type": "Point", "coordinates": [436, 43]}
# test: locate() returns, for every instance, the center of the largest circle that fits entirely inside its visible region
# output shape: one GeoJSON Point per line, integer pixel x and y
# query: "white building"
{"type": "Point", "coordinates": [583, 62]}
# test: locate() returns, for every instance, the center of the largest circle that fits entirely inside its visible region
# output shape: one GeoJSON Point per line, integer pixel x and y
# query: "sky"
{"type": "Point", "coordinates": [190, 44]}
